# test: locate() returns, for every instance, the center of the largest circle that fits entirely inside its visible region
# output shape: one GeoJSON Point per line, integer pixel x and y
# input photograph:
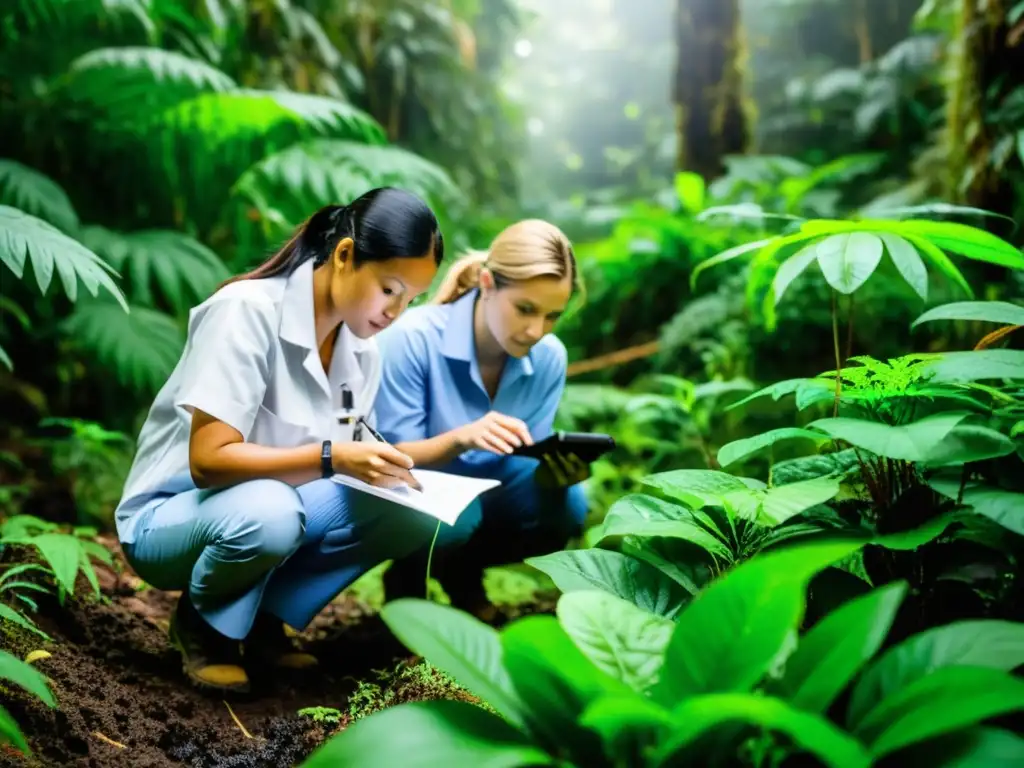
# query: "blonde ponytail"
{"type": "Point", "coordinates": [462, 277]}
{"type": "Point", "coordinates": [522, 251]}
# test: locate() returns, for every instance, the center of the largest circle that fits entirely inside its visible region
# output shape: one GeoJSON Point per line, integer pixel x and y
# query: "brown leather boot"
{"type": "Point", "coordinates": [209, 659]}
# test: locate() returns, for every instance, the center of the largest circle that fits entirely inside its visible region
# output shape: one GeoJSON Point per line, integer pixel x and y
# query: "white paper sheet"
{"type": "Point", "coordinates": [444, 497]}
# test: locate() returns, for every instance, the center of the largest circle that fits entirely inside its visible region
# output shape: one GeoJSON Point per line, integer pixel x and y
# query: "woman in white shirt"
{"type": "Point", "coordinates": [230, 497]}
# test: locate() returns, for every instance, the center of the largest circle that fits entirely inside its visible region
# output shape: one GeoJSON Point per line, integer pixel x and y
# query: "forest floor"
{"type": "Point", "coordinates": [123, 700]}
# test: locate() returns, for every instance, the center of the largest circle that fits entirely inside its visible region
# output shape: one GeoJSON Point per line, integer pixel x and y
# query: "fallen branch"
{"type": "Point", "coordinates": [108, 740]}
{"type": "Point", "coordinates": [628, 355]}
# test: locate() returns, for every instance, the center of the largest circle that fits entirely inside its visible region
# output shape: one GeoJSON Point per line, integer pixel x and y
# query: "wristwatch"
{"type": "Point", "coordinates": [326, 463]}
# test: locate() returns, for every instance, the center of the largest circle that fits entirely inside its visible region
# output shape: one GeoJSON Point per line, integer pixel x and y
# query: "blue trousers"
{"type": "Point", "coordinates": [266, 545]}
{"type": "Point", "coordinates": [507, 524]}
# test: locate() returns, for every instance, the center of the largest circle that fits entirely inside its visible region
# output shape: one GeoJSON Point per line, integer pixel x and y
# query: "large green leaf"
{"type": "Point", "coordinates": [139, 349]}
{"type": "Point", "coordinates": [629, 727]}
{"type": "Point", "coordinates": [977, 365]}
{"type": "Point", "coordinates": [458, 644]}
{"type": "Point", "coordinates": [697, 716]}
{"type": "Point", "coordinates": [183, 271]}
{"type": "Point", "coordinates": [26, 676]}
{"type": "Point", "coordinates": [26, 237]}
{"type": "Point", "coordinates": [1002, 312]}
{"type": "Point", "coordinates": [908, 262]}
{"type": "Point", "coordinates": [985, 643]}
{"type": "Point", "coordinates": [738, 450]}
{"type": "Point", "coordinates": [828, 657]}
{"type": "Point", "coordinates": [907, 442]}
{"type": "Point", "coordinates": [848, 260]}
{"type": "Point", "coordinates": [964, 240]}
{"type": "Point", "coordinates": [621, 639]}
{"type": "Point", "coordinates": [1003, 507]}
{"type": "Point", "coordinates": [644, 516]}
{"type": "Point", "coordinates": [556, 683]}
{"type": "Point", "coordinates": [698, 487]}
{"type": "Point", "coordinates": [727, 255]}
{"type": "Point", "coordinates": [792, 268]}
{"type": "Point", "coordinates": [944, 701]}
{"type": "Point", "coordinates": [426, 734]}
{"type": "Point", "coordinates": [733, 631]}
{"type": "Point", "coordinates": [37, 194]}
{"type": "Point", "coordinates": [634, 580]}
{"type": "Point", "coordinates": [131, 83]}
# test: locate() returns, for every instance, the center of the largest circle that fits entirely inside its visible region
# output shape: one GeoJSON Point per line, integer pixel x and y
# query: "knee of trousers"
{"type": "Point", "coordinates": [270, 525]}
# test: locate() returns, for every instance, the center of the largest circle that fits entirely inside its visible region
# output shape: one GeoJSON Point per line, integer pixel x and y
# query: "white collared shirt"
{"type": "Point", "coordinates": [251, 360]}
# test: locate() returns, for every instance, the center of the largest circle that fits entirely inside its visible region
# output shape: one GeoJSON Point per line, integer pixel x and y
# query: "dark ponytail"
{"type": "Point", "coordinates": [384, 223]}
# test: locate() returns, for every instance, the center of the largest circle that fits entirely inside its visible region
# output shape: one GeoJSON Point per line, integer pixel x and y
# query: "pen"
{"type": "Point", "coordinates": [377, 436]}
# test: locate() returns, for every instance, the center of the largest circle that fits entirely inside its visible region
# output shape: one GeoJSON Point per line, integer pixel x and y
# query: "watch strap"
{"type": "Point", "coordinates": [326, 462]}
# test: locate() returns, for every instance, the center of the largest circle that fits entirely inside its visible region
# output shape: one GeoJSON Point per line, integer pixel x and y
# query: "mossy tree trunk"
{"type": "Point", "coordinates": [712, 112]}
{"type": "Point", "coordinates": [986, 67]}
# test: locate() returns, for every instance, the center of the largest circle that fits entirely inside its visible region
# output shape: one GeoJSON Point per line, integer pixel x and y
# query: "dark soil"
{"type": "Point", "coordinates": [123, 700]}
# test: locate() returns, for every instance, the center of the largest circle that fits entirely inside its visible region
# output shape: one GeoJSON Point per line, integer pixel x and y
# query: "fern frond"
{"type": "Point", "coordinates": [140, 348]}
{"type": "Point", "coordinates": [24, 237]}
{"type": "Point", "coordinates": [208, 142]}
{"type": "Point", "coordinates": [132, 83]}
{"type": "Point", "coordinates": [159, 264]}
{"type": "Point", "coordinates": [37, 194]}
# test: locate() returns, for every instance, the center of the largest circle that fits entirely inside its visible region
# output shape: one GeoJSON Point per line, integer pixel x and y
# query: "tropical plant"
{"type": "Point", "coordinates": [731, 679]}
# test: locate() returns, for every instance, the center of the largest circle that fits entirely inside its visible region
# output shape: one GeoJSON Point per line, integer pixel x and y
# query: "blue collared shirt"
{"type": "Point", "coordinates": [431, 384]}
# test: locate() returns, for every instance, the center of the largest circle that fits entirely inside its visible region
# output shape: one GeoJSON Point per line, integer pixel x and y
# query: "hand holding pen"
{"type": "Point", "coordinates": [405, 475]}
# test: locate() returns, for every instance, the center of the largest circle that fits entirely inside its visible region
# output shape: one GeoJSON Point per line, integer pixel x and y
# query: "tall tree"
{"type": "Point", "coordinates": [712, 111]}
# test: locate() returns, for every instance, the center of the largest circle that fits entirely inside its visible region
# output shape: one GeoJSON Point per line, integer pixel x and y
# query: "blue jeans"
{"type": "Point", "coordinates": [507, 524]}
{"type": "Point", "coordinates": [266, 545]}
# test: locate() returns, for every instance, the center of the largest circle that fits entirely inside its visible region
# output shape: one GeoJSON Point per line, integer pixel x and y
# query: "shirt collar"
{"type": "Point", "coordinates": [457, 342]}
{"type": "Point", "coordinates": [297, 318]}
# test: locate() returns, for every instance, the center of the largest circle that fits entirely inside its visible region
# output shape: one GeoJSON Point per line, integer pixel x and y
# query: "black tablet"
{"type": "Point", "coordinates": [589, 446]}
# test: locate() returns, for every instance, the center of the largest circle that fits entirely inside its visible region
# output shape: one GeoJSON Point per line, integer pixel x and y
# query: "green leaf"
{"type": "Point", "coordinates": [556, 683]}
{"type": "Point", "coordinates": [130, 83]}
{"type": "Point", "coordinates": [458, 644]}
{"type": "Point", "coordinates": [690, 191]}
{"type": "Point", "coordinates": [24, 236]}
{"type": "Point", "coordinates": [985, 643]}
{"type": "Point", "coordinates": [944, 701]}
{"type": "Point", "coordinates": [698, 487]}
{"type": "Point", "coordinates": [738, 450]}
{"type": "Point", "coordinates": [848, 260]}
{"type": "Point", "coordinates": [10, 733]}
{"type": "Point", "coordinates": [964, 240]}
{"type": "Point", "coordinates": [733, 631]}
{"type": "Point", "coordinates": [183, 271]}
{"type": "Point", "coordinates": [829, 657]}
{"type": "Point", "coordinates": [62, 553]}
{"type": "Point", "coordinates": [976, 365]}
{"type": "Point", "coordinates": [36, 194]}
{"type": "Point", "coordinates": [786, 501]}
{"type": "Point", "coordinates": [969, 443]}
{"type": "Point", "coordinates": [1001, 312]}
{"type": "Point", "coordinates": [839, 464]}
{"type": "Point", "coordinates": [1003, 507]}
{"type": "Point", "coordinates": [791, 269]}
{"type": "Point", "coordinates": [426, 734]}
{"type": "Point", "coordinates": [697, 716]}
{"type": "Point", "coordinates": [9, 614]}
{"type": "Point", "coordinates": [621, 639]}
{"type": "Point", "coordinates": [908, 262]}
{"type": "Point", "coordinates": [634, 580]}
{"type": "Point", "coordinates": [940, 260]}
{"type": "Point", "coordinates": [643, 516]}
{"type": "Point", "coordinates": [725, 256]}
{"type": "Point", "coordinates": [629, 728]}
{"type": "Point", "coordinates": [139, 349]}
{"type": "Point", "coordinates": [26, 676]}
{"type": "Point", "coordinates": [908, 442]}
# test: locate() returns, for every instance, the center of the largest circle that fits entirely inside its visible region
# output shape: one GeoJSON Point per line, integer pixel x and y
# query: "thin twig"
{"type": "Point", "coordinates": [108, 740]}
{"type": "Point", "coordinates": [237, 721]}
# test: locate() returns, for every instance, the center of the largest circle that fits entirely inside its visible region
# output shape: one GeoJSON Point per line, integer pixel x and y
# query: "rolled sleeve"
{"type": "Point", "coordinates": [400, 407]}
{"type": "Point", "coordinates": [551, 384]}
{"type": "Point", "coordinates": [227, 365]}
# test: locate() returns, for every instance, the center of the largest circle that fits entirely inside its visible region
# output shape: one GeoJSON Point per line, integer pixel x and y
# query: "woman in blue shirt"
{"type": "Point", "coordinates": [466, 380]}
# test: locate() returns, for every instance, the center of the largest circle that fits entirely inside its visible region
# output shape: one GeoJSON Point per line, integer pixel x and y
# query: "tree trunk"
{"type": "Point", "coordinates": [712, 111]}
{"type": "Point", "coordinates": [987, 66]}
